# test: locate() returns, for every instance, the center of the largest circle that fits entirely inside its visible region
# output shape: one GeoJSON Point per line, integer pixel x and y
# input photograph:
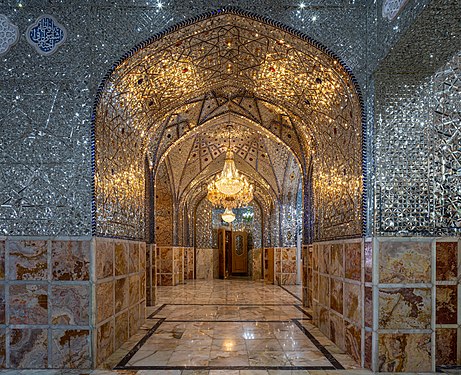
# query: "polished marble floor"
{"type": "Point", "coordinates": [230, 325]}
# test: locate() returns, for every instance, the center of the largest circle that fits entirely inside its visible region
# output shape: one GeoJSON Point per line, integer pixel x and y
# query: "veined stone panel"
{"type": "Point", "coordinates": [414, 305]}
{"type": "Point", "coordinates": [120, 289]}
{"type": "Point", "coordinates": [336, 285]}
{"type": "Point", "coordinates": [54, 302]}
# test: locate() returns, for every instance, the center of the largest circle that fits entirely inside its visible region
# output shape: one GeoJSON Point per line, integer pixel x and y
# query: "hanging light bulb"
{"type": "Point", "coordinates": [228, 216]}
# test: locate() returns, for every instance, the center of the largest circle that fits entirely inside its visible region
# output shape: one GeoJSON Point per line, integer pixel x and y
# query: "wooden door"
{"type": "Point", "coordinates": [239, 253]}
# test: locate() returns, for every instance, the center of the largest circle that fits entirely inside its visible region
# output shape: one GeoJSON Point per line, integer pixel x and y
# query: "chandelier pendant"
{"type": "Point", "coordinates": [229, 189]}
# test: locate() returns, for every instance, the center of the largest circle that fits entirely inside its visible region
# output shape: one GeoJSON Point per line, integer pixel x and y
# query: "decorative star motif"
{"type": "Point", "coordinates": [46, 35]}
{"type": "Point", "coordinates": [9, 34]}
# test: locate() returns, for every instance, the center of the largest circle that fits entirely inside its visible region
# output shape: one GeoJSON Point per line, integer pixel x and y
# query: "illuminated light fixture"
{"type": "Point", "coordinates": [229, 182]}
{"type": "Point", "coordinates": [228, 216]}
{"type": "Point", "coordinates": [230, 189]}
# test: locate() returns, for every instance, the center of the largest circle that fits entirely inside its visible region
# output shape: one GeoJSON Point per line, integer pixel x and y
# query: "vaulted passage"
{"type": "Point", "coordinates": [287, 112]}
{"type": "Point", "coordinates": [230, 196]}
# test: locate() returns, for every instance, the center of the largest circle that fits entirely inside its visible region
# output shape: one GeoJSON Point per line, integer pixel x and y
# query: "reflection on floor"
{"type": "Point", "coordinates": [231, 325]}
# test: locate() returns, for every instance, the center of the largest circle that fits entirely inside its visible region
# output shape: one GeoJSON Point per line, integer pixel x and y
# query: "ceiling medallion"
{"type": "Point", "coordinates": [8, 34]}
{"type": "Point", "coordinates": [230, 189]}
{"type": "Point", "coordinates": [46, 35]}
{"type": "Point", "coordinates": [391, 8]}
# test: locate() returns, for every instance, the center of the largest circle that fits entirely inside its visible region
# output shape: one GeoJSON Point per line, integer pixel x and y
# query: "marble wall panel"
{"type": "Point", "coordinates": [353, 302]}
{"type": "Point", "coordinates": [315, 257]}
{"type": "Point", "coordinates": [2, 260]}
{"type": "Point", "coordinates": [57, 293]}
{"type": "Point", "coordinates": [105, 300]}
{"type": "Point", "coordinates": [28, 304]}
{"type": "Point", "coordinates": [133, 257]}
{"type": "Point", "coordinates": [121, 329]}
{"type": "Point", "coordinates": [2, 304]}
{"type": "Point", "coordinates": [142, 286]}
{"type": "Point", "coordinates": [353, 341]}
{"type": "Point", "coordinates": [122, 291]}
{"type": "Point", "coordinates": [404, 352]}
{"type": "Point", "coordinates": [336, 260]}
{"type": "Point", "coordinates": [70, 260]}
{"type": "Point", "coordinates": [316, 313]}
{"type": "Point", "coordinates": [142, 313]}
{"type": "Point", "coordinates": [104, 259]}
{"type": "Point", "coordinates": [142, 255]}
{"type": "Point", "coordinates": [204, 266]}
{"type": "Point", "coordinates": [446, 304]}
{"type": "Point", "coordinates": [315, 285]}
{"type": "Point", "coordinates": [368, 306]}
{"type": "Point", "coordinates": [165, 279]}
{"type": "Point", "coordinates": [134, 290]}
{"type": "Point", "coordinates": [404, 262]}
{"type": "Point", "coordinates": [28, 260]}
{"type": "Point", "coordinates": [405, 308]}
{"type": "Point", "coordinates": [165, 259]}
{"type": "Point", "coordinates": [2, 347]}
{"type": "Point", "coordinates": [119, 294]}
{"type": "Point", "coordinates": [121, 258]}
{"type": "Point", "coordinates": [256, 265]}
{"type": "Point", "coordinates": [288, 279]}
{"type": "Point", "coordinates": [70, 348]}
{"type": "Point", "coordinates": [151, 282]}
{"type": "Point", "coordinates": [336, 295]}
{"type": "Point", "coordinates": [288, 260]}
{"type": "Point", "coordinates": [324, 258]}
{"type": "Point", "coordinates": [368, 261]}
{"type": "Point", "coordinates": [353, 260]}
{"type": "Point", "coordinates": [28, 348]}
{"type": "Point", "coordinates": [189, 263]}
{"type": "Point", "coordinates": [70, 304]}
{"type": "Point", "coordinates": [324, 320]}
{"type": "Point", "coordinates": [337, 329]}
{"type": "Point", "coordinates": [216, 263]}
{"type": "Point", "coordinates": [324, 290]}
{"type": "Point", "coordinates": [446, 346]}
{"type": "Point", "coordinates": [133, 320]}
{"type": "Point", "coordinates": [104, 341]}
{"type": "Point", "coordinates": [368, 350]}
{"type": "Point", "coordinates": [447, 262]}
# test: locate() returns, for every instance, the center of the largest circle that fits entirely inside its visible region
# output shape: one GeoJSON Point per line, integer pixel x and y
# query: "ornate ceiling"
{"type": "Point", "coordinates": [276, 83]}
{"type": "Point", "coordinates": [200, 155]}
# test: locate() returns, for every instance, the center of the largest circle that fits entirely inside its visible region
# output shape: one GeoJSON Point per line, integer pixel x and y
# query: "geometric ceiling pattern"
{"type": "Point", "coordinates": [238, 68]}
{"type": "Point", "coordinates": [264, 158]}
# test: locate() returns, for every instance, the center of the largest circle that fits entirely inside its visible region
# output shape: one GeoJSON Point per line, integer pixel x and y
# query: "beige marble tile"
{"type": "Point", "coordinates": [70, 260]}
{"type": "Point", "coordinates": [28, 260]}
{"type": "Point", "coordinates": [104, 258]}
{"type": "Point", "coordinates": [121, 258]}
{"type": "Point", "coordinates": [105, 300]}
{"type": "Point", "coordinates": [405, 308]}
{"type": "Point", "coordinates": [405, 352]}
{"type": "Point", "coordinates": [404, 262]}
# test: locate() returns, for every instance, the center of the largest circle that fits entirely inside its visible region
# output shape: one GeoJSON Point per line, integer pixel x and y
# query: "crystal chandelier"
{"type": "Point", "coordinates": [230, 189]}
{"type": "Point", "coordinates": [228, 216]}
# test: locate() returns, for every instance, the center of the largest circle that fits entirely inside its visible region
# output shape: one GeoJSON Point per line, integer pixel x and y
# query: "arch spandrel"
{"type": "Point", "coordinates": [230, 49]}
